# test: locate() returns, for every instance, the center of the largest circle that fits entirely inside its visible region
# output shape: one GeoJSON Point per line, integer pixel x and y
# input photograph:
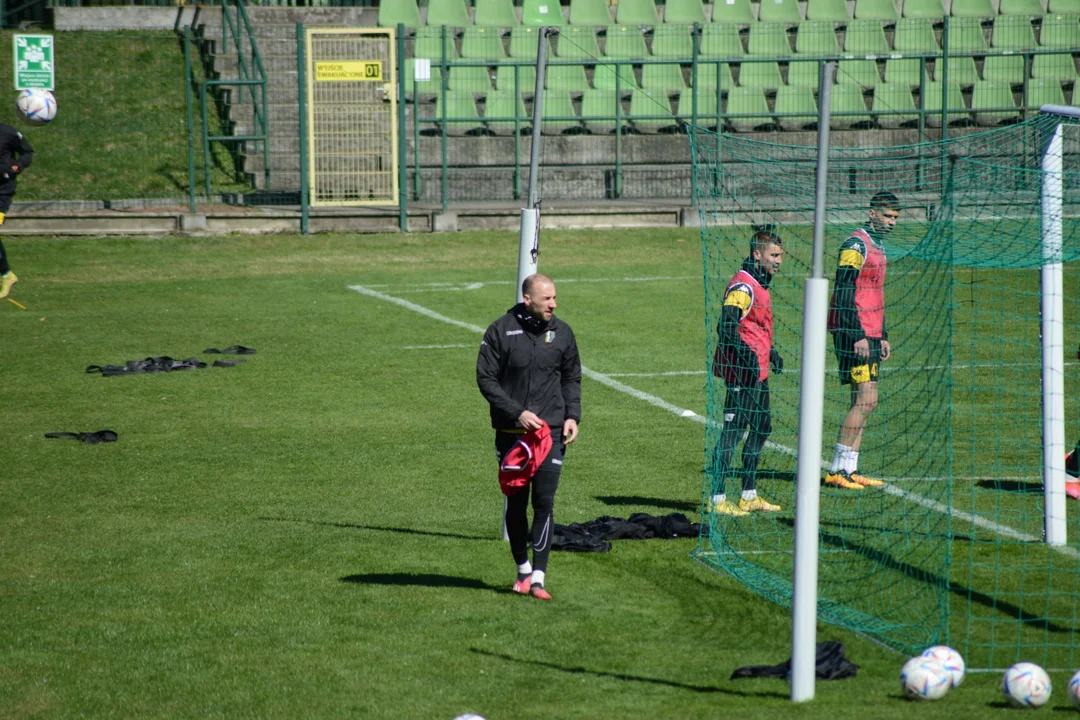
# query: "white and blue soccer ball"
{"type": "Point", "coordinates": [468, 716]}
{"type": "Point", "coordinates": [924, 678]}
{"type": "Point", "coordinates": [949, 659]}
{"type": "Point", "coordinates": [36, 106]}
{"type": "Point", "coordinates": [1026, 685]}
{"type": "Point", "coordinates": [1074, 690]}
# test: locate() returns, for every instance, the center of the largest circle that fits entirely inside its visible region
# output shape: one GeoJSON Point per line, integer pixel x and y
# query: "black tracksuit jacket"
{"type": "Point", "coordinates": [15, 151]}
{"type": "Point", "coordinates": [526, 364]}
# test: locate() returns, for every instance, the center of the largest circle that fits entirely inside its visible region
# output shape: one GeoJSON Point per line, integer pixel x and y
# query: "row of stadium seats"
{"type": "Point", "coordinates": [910, 36]}
{"type": "Point", "coordinates": [745, 109]}
{"type": "Point", "coordinates": [671, 78]}
{"type": "Point", "coordinates": [501, 13]}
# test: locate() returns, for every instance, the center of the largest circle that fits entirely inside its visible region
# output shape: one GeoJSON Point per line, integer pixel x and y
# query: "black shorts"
{"type": "Point", "coordinates": [856, 370]}
{"type": "Point", "coordinates": [749, 407]}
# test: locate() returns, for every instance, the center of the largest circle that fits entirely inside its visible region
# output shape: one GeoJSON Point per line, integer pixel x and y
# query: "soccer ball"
{"type": "Point", "coordinates": [1074, 690]}
{"type": "Point", "coordinates": [948, 659]}
{"type": "Point", "coordinates": [1026, 685]}
{"type": "Point", "coordinates": [923, 678]}
{"type": "Point", "coordinates": [35, 106]}
{"type": "Point", "coordinates": [468, 716]}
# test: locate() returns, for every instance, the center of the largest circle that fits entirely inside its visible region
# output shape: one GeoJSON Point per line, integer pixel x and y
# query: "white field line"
{"type": "Point", "coordinates": [411, 288]}
{"type": "Point", "coordinates": [433, 347]}
{"type": "Point", "coordinates": [976, 520]}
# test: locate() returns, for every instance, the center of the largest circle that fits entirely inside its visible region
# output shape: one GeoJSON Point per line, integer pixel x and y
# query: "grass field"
{"type": "Point", "coordinates": [314, 533]}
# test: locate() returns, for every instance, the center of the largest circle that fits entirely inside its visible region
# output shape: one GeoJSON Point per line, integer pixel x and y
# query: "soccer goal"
{"type": "Point", "coordinates": [971, 541]}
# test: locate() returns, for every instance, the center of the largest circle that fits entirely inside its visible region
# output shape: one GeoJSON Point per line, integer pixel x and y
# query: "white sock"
{"type": "Point", "coordinates": [838, 458]}
{"type": "Point", "coordinates": [525, 568]}
{"type": "Point", "coordinates": [851, 461]}
{"type": "Point", "coordinates": [717, 499]}
{"type": "Point", "coordinates": [538, 578]}
{"type": "Point", "coordinates": [749, 494]}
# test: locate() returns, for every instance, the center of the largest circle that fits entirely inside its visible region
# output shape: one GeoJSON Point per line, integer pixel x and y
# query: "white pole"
{"type": "Point", "coordinates": [1053, 345]}
{"type": "Point", "coordinates": [811, 420]}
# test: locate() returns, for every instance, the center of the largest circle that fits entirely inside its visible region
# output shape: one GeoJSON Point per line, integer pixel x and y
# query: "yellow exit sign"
{"type": "Point", "coordinates": [348, 71]}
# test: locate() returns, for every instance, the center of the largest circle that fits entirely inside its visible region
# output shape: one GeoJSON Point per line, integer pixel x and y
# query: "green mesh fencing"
{"type": "Point", "coordinates": [950, 548]}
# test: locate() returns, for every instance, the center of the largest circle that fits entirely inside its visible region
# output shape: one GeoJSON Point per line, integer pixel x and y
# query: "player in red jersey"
{"type": "Point", "coordinates": [857, 324]}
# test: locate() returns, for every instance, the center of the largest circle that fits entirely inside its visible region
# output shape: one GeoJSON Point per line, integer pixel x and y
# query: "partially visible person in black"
{"type": "Point", "coordinates": [15, 156]}
{"type": "Point", "coordinates": [529, 371]}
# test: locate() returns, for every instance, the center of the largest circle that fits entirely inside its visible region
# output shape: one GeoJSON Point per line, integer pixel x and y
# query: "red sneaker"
{"type": "Point", "coordinates": [521, 587]}
{"type": "Point", "coordinates": [1072, 489]}
{"type": "Point", "coordinates": [538, 592]}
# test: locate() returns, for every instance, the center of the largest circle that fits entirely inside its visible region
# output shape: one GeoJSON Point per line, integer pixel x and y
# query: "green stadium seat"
{"type": "Point", "coordinates": [971, 8]}
{"type": "Point", "coordinates": [751, 104]}
{"type": "Point", "coordinates": [625, 41]}
{"type": "Point", "coordinates": [598, 110]}
{"type": "Point", "coordinates": [1045, 92]}
{"type": "Point", "coordinates": [459, 106]}
{"type": "Point", "coordinates": [1063, 6]}
{"type": "Point", "coordinates": [865, 37]}
{"type": "Point", "coordinates": [966, 35]}
{"type": "Point", "coordinates": [541, 13]}
{"type": "Point", "coordinates": [709, 74]}
{"type": "Point", "coordinates": [882, 10]}
{"type": "Point", "coordinates": [482, 43]}
{"type": "Point", "coordinates": [904, 72]}
{"type": "Point", "coordinates": [1059, 68]}
{"type": "Point", "coordinates": [779, 11]}
{"type": "Point", "coordinates": [915, 36]}
{"type": "Point", "coordinates": [796, 108]}
{"type": "Point", "coordinates": [662, 77]}
{"type": "Point", "coordinates": [835, 11]}
{"type": "Point", "coordinates": [708, 108]}
{"type": "Point", "coordinates": [673, 41]}
{"type": "Point", "coordinates": [765, 75]}
{"type": "Point", "coordinates": [431, 86]}
{"type": "Point", "coordinates": [990, 102]}
{"type": "Point", "coordinates": [469, 79]}
{"type": "Point", "coordinates": [591, 12]}
{"type": "Point", "coordinates": [1060, 32]}
{"type": "Point", "coordinates": [524, 42]}
{"type": "Point", "coordinates": [892, 99]}
{"type": "Point", "coordinates": [504, 77]}
{"type": "Point", "coordinates": [848, 99]}
{"type": "Point", "coordinates": [930, 9]}
{"type": "Point", "coordinates": [495, 13]}
{"type": "Point", "coordinates": [769, 40]}
{"type": "Point", "coordinates": [447, 12]}
{"type": "Point", "coordinates": [1012, 32]}
{"type": "Point", "coordinates": [721, 41]}
{"type": "Point", "coordinates": [644, 103]}
{"type": "Point", "coordinates": [636, 12]}
{"type": "Point", "coordinates": [1021, 7]}
{"type": "Point", "coordinates": [863, 73]}
{"type": "Point", "coordinates": [1004, 68]}
{"type": "Point", "coordinates": [684, 12]}
{"type": "Point", "coordinates": [737, 12]}
{"type": "Point", "coordinates": [557, 104]}
{"type": "Point", "coordinates": [567, 77]}
{"type": "Point", "coordinates": [804, 73]}
{"type": "Point", "coordinates": [604, 76]}
{"type": "Point", "coordinates": [578, 43]}
{"type": "Point", "coordinates": [817, 39]}
{"type": "Point", "coordinates": [429, 44]}
{"type": "Point", "coordinates": [500, 105]}
{"type": "Point", "coordinates": [404, 12]}
{"type": "Point", "coordinates": [961, 71]}
{"type": "Point", "coordinates": [931, 102]}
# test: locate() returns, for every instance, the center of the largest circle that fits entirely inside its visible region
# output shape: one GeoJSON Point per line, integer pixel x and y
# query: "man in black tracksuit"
{"type": "Point", "coordinates": [529, 371]}
{"type": "Point", "coordinates": [15, 156]}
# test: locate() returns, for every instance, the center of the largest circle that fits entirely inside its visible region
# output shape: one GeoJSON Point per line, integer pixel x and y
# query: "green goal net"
{"type": "Point", "coordinates": [950, 548]}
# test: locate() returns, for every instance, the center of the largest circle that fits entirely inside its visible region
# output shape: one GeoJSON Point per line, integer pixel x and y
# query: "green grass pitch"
{"type": "Point", "coordinates": [315, 532]}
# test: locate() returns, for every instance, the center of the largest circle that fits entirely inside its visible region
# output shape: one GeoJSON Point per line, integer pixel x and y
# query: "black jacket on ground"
{"type": "Point", "coordinates": [527, 364]}
{"type": "Point", "coordinates": [15, 151]}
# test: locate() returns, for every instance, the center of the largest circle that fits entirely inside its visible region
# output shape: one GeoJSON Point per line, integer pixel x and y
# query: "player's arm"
{"type": "Point", "coordinates": [20, 149]}
{"type": "Point", "coordinates": [570, 379]}
{"type": "Point", "coordinates": [488, 362]}
{"type": "Point", "coordinates": [848, 267]}
{"type": "Point", "coordinates": [737, 303]}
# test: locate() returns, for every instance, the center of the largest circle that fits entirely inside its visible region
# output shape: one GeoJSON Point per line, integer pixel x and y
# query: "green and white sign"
{"type": "Point", "coordinates": [34, 62]}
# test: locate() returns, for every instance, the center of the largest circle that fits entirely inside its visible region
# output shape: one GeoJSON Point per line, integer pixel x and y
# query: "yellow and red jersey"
{"type": "Point", "coordinates": [858, 300]}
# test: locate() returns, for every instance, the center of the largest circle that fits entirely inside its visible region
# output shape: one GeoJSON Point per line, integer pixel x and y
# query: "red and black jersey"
{"type": "Point", "coordinates": [858, 301]}
{"type": "Point", "coordinates": [742, 357]}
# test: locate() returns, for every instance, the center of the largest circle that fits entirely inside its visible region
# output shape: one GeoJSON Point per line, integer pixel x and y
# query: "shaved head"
{"type": "Point", "coordinates": [529, 284]}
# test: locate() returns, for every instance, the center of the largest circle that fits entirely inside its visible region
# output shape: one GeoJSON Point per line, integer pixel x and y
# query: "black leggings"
{"type": "Point", "coordinates": [744, 407]}
{"type": "Point", "coordinates": [5, 205]}
{"type": "Point", "coordinates": [542, 486]}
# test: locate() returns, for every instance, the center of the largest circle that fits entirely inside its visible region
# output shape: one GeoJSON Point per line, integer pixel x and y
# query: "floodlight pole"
{"type": "Point", "coordinates": [811, 419]}
{"type": "Point", "coordinates": [1053, 336]}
